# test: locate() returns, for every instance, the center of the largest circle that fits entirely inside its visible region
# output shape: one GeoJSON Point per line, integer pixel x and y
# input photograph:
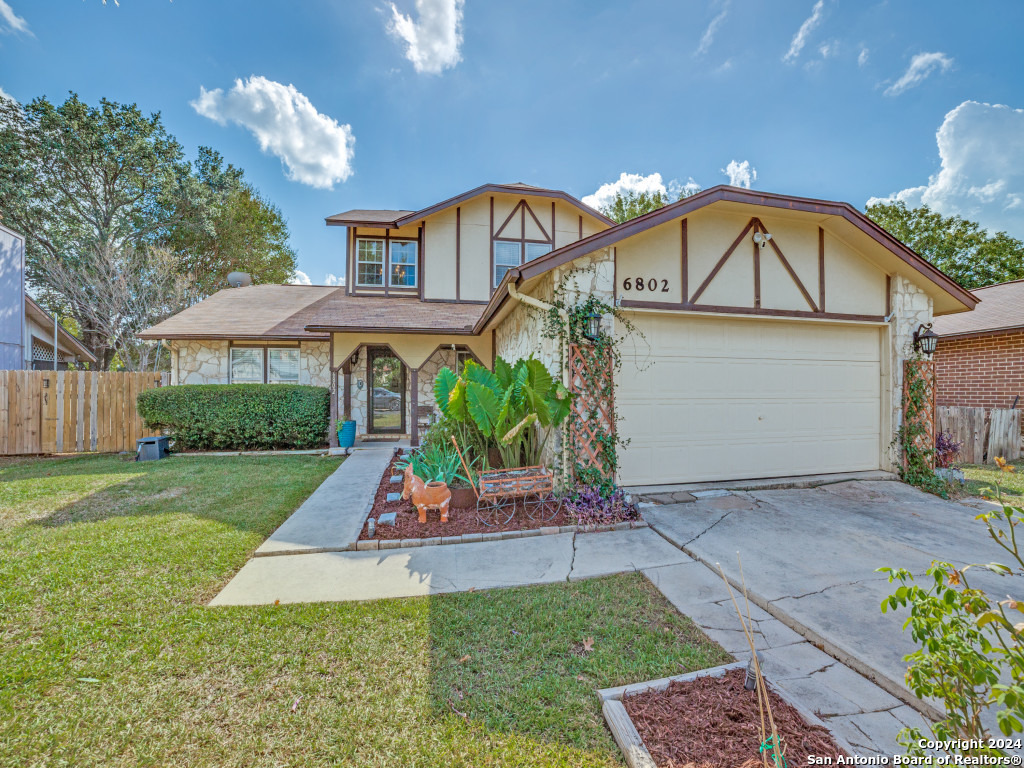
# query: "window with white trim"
{"type": "Point", "coordinates": [507, 254]}
{"type": "Point", "coordinates": [282, 366]}
{"type": "Point", "coordinates": [246, 365]}
{"type": "Point", "coordinates": [403, 264]}
{"type": "Point", "coordinates": [369, 262]}
{"type": "Point", "coordinates": [536, 250]}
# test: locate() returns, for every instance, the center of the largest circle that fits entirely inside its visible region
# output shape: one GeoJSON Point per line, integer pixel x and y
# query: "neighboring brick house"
{"type": "Point", "coordinates": [980, 355]}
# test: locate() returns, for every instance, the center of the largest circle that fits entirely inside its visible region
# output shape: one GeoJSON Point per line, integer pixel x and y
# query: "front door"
{"type": "Point", "coordinates": [386, 398]}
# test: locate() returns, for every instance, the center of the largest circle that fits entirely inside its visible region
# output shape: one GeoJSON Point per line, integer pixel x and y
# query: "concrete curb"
{"type": "Point", "coordinates": [480, 538]}
{"type": "Point", "coordinates": [628, 739]}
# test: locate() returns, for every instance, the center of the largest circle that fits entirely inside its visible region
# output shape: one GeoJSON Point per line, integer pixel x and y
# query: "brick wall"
{"type": "Point", "coordinates": [982, 371]}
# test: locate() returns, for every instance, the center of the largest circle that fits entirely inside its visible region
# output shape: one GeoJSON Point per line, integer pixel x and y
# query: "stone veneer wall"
{"type": "Point", "coordinates": [207, 362]}
{"type": "Point", "coordinates": [910, 308]}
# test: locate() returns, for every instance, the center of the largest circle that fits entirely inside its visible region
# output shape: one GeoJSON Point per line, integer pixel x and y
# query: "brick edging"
{"type": "Point", "coordinates": [474, 538]}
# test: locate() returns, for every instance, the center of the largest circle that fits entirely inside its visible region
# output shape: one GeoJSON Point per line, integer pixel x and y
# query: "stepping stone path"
{"type": "Point", "coordinates": [397, 479]}
{"type": "Point", "coordinates": [388, 518]}
{"type": "Point", "coordinates": [394, 496]}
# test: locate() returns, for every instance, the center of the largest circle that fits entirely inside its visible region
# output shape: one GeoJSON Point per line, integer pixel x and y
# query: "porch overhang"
{"type": "Point", "coordinates": [412, 348]}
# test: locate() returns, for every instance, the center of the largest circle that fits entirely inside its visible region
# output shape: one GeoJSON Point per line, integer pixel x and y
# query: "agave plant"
{"type": "Point", "coordinates": [514, 407]}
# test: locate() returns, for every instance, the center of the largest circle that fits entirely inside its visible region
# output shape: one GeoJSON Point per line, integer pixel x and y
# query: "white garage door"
{"type": "Point", "coordinates": [727, 399]}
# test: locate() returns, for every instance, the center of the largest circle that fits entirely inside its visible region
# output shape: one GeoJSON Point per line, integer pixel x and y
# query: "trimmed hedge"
{"type": "Point", "coordinates": [238, 416]}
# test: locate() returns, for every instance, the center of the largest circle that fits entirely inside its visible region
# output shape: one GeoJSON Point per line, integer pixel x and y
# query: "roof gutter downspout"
{"type": "Point", "coordinates": [543, 305]}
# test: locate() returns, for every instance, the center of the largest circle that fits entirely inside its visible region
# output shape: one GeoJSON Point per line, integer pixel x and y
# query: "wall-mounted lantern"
{"type": "Point", "coordinates": [925, 339]}
{"type": "Point", "coordinates": [593, 326]}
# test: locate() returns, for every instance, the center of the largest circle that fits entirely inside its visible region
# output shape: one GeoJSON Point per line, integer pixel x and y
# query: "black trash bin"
{"type": "Point", "coordinates": [153, 448]}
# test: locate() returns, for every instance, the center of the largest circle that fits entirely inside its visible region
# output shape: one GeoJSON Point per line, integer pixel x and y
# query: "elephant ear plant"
{"type": "Point", "coordinates": [514, 408]}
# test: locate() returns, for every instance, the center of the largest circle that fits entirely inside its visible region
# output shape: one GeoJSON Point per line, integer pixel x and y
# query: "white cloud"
{"type": "Point", "coordinates": [300, 278]}
{"type": "Point", "coordinates": [332, 279]}
{"type": "Point", "coordinates": [921, 66]}
{"type": "Point", "coordinates": [829, 50]}
{"type": "Point", "coordinates": [12, 21]}
{"type": "Point", "coordinates": [626, 183]}
{"type": "Point", "coordinates": [433, 41]}
{"type": "Point", "coordinates": [315, 148]}
{"type": "Point", "coordinates": [709, 34]}
{"type": "Point", "coordinates": [809, 25]}
{"type": "Point", "coordinates": [740, 174]}
{"type": "Point", "coordinates": [981, 147]}
{"type": "Point", "coordinates": [862, 57]}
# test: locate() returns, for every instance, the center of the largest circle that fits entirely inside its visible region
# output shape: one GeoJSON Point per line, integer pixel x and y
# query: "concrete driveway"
{"type": "Point", "coordinates": [809, 557]}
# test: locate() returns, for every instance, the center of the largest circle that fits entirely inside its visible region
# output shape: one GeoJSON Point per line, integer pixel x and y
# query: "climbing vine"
{"type": "Point", "coordinates": [913, 438]}
{"type": "Point", "coordinates": [602, 361]}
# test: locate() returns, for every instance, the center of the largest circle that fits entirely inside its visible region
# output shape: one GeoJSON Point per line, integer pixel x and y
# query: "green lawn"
{"type": "Point", "coordinates": [983, 476]}
{"type": "Point", "coordinates": [108, 656]}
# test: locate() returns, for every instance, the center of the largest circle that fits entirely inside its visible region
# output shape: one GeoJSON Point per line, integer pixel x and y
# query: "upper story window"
{"type": "Point", "coordinates": [510, 253]}
{"type": "Point", "coordinates": [403, 264]}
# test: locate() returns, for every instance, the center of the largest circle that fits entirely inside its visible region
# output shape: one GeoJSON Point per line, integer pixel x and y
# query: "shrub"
{"type": "Point", "coordinates": [946, 450]}
{"type": "Point", "coordinates": [238, 416]}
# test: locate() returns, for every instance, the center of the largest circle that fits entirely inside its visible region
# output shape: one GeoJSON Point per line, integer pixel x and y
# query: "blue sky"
{"type": "Point", "coordinates": [364, 103]}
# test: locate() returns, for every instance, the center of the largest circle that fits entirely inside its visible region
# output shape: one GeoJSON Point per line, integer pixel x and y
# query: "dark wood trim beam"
{"type": "Point", "coordinates": [535, 221]}
{"type": "Point", "coordinates": [581, 227]}
{"type": "Point", "coordinates": [888, 295]}
{"type": "Point", "coordinates": [684, 259]}
{"type": "Point", "coordinates": [515, 210]}
{"type": "Point", "coordinates": [414, 402]}
{"type": "Point", "coordinates": [332, 425]}
{"type": "Point", "coordinates": [420, 260]}
{"type": "Point", "coordinates": [490, 271]}
{"type": "Point", "coordinates": [458, 253]}
{"type": "Point", "coordinates": [757, 275]}
{"type": "Point", "coordinates": [553, 225]}
{"type": "Point", "coordinates": [717, 309]}
{"type": "Point", "coordinates": [789, 268]}
{"type": "Point", "coordinates": [721, 261]}
{"type": "Point", "coordinates": [386, 266]}
{"type": "Point", "coordinates": [821, 269]}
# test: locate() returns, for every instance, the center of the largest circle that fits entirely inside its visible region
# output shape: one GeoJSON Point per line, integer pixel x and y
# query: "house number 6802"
{"type": "Point", "coordinates": [644, 284]}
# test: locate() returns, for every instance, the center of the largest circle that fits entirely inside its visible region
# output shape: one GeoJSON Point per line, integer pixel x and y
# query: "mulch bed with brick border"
{"type": "Point", "coordinates": [714, 722]}
{"type": "Point", "coordinates": [460, 521]}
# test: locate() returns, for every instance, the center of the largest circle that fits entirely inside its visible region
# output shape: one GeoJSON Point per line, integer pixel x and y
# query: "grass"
{"type": "Point", "coordinates": [983, 476]}
{"type": "Point", "coordinates": [109, 657]}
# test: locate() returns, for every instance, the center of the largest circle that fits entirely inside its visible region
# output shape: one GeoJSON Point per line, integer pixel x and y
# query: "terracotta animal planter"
{"type": "Point", "coordinates": [432, 495]}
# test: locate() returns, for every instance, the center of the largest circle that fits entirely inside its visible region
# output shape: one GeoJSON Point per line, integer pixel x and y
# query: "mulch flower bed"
{"type": "Point", "coordinates": [713, 722]}
{"type": "Point", "coordinates": [460, 521]}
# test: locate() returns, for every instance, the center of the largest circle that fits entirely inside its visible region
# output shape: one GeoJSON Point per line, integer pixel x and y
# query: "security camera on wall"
{"type": "Point", "coordinates": [762, 238]}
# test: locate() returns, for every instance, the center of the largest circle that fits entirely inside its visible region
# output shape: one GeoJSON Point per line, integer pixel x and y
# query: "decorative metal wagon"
{"type": "Point", "coordinates": [500, 491]}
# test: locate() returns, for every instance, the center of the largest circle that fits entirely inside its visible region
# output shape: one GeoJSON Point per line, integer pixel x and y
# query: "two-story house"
{"type": "Point", "coordinates": [770, 330]}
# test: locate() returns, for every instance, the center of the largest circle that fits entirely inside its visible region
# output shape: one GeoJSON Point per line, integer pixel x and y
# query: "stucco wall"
{"type": "Point", "coordinates": [207, 361]}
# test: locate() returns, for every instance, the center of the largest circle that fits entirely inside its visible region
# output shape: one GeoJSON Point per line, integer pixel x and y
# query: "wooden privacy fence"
{"type": "Point", "coordinates": [71, 411]}
{"type": "Point", "coordinates": [983, 434]}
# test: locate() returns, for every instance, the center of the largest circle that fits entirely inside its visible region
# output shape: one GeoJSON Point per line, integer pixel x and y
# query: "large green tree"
{"type": "Point", "coordinates": [959, 247]}
{"type": "Point", "coordinates": [104, 195]}
{"type": "Point", "coordinates": [628, 205]}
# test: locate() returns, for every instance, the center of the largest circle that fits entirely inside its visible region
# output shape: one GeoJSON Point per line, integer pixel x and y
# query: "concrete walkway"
{"type": "Point", "coordinates": [332, 517]}
{"type": "Point", "coordinates": [433, 570]}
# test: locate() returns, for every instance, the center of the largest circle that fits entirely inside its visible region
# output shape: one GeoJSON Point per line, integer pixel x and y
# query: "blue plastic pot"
{"type": "Point", "coordinates": [347, 434]}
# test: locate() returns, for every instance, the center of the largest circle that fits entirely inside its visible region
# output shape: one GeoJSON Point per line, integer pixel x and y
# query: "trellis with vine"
{"type": "Point", "coordinates": [603, 360]}
{"type": "Point", "coordinates": [915, 438]}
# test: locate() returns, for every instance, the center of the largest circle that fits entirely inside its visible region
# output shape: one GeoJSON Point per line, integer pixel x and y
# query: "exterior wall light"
{"type": "Point", "coordinates": [593, 326]}
{"type": "Point", "coordinates": [355, 358]}
{"type": "Point", "coordinates": [925, 339]}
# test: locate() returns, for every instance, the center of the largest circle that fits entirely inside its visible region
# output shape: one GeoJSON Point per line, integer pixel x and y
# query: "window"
{"type": "Point", "coordinates": [283, 367]}
{"type": "Point", "coordinates": [259, 365]}
{"type": "Point", "coordinates": [370, 262]}
{"type": "Point", "coordinates": [246, 365]}
{"type": "Point", "coordinates": [535, 250]}
{"type": "Point", "coordinates": [403, 264]}
{"type": "Point", "coordinates": [506, 255]}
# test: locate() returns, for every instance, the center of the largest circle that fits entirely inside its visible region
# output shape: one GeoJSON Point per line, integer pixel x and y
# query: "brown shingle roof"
{"type": "Point", "coordinates": [339, 312]}
{"type": "Point", "coordinates": [286, 311]}
{"type": "Point", "coordinates": [1001, 307]}
{"type": "Point", "coordinates": [366, 217]}
{"type": "Point", "coordinates": [256, 311]}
